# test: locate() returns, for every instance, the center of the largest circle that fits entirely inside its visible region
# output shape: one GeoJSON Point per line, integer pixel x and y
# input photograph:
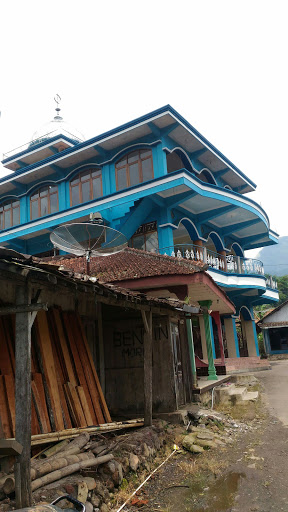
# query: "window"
{"type": "Point", "coordinates": [43, 202]}
{"type": "Point", "coordinates": [134, 168]}
{"type": "Point", "coordinates": [145, 238]}
{"type": "Point", "coordinates": [207, 177]}
{"type": "Point", "coordinates": [85, 186]}
{"type": "Point", "coordinates": [174, 162]}
{"type": "Point", "coordinates": [9, 214]}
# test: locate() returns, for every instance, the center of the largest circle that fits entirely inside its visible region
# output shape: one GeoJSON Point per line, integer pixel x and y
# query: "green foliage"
{"type": "Point", "coordinates": [282, 283]}
{"type": "Point", "coordinates": [124, 484]}
{"type": "Point", "coordinates": [261, 346]}
{"type": "Point", "coordinates": [260, 311]}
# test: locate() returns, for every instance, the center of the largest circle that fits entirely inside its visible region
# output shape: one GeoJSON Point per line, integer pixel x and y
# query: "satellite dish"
{"type": "Point", "coordinates": [88, 239]}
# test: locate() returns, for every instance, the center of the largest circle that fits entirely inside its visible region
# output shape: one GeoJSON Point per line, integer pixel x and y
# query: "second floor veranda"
{"type": "Point", "coordinates": [223, 263]}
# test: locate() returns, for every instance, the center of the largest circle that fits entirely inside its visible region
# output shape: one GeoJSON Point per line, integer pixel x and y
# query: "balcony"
{"type": "Point", "coordinates": [229, 264]}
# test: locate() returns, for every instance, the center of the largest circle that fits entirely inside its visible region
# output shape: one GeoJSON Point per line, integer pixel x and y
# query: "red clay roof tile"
{"type": "Point", "coordinates": [130, 264]}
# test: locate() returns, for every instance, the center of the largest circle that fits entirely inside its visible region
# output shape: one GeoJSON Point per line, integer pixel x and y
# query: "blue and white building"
{"type": "Point", "coordinates": [162, 184]}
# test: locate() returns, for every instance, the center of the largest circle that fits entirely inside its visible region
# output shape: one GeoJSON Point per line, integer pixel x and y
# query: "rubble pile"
{"type": "Point", "coordinates": [89, 467]}
{"type": "Point", "coordinates": [208, 429]}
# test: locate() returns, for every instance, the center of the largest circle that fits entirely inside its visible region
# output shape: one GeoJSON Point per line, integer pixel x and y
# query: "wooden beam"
{"type": "Point", "coordinates": [128, 304]}
{"type": "Point", "coordinates": [101, 346]}
{"type": "Point", "coordinates": [23, 398]}
{"type": "Point", "coordinates": [23, 308]}
{"type": "Point", "coordinates": [10, 447]}
{"type": "Point", "coordinates": [148, 351]}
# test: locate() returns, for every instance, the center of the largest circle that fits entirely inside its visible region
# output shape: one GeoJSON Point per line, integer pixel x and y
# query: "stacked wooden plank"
{"type": "Point", "coordinates": [66, 392]}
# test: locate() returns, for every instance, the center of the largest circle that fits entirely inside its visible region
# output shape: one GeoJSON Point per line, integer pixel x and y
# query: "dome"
{"type": "Point", "coordinates": [56, 127]}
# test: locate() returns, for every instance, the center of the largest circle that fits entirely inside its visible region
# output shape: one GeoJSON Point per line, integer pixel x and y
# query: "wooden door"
{"type": "Point", "coordinates": [178, 366]}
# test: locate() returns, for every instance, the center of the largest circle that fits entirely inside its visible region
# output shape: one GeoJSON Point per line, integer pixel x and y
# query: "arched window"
{"type": "Point", "coordinates": [207, 177]}
{"type": "Point", "coordinates": [44, 201]}
{"type": "Point", "coordinates": [134, 168]}
{"type": "Point", "coordinates": [85, 186]}
{"type": "Point", "coordinates": [174, 162]}
{"type": "Point", "coordinates": [9, 214]}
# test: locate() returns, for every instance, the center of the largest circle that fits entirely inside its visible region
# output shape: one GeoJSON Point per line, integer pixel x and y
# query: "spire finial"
{"type": "Point", "coordinates": [57, 100]}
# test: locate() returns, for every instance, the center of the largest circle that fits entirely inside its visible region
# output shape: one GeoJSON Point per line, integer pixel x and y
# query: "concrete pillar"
{"type": "Point", "coordinates": [191, 351]}
{"type": "Point", "coordinates": [251, 337]}
{"type": "Point", "coordinates": [266, 339]}
{"type": "Point", "coordinates": [203, 337]}
{"type": "Point", "coordinates": [216, 316]}
{"type": "Point", "coordinates": [165, 232]}
{"type": "Point", "coordinates": [231, 337]}
{"type": "Point", "coordinates": [205, 305]}
{"type": "Point", "coordinates": [223, 258]}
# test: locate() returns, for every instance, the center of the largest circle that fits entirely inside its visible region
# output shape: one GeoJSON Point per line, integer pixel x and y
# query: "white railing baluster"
{"type": "Point", "coordinates": [232, 264]}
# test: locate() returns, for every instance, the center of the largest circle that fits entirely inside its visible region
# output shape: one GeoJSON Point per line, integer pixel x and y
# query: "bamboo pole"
{"type": "Point", "coordinates": [46, 467]}
{"type": "Point", "coordinates": [53, 450]}
{"type": "Point", "coordinates": [61, 473]}
{"type": "Point", "coordinates": [38, 442]}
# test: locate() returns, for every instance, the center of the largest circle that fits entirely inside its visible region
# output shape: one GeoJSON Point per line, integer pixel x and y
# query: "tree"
{"type": "Point", "coordinates": [282, 283]}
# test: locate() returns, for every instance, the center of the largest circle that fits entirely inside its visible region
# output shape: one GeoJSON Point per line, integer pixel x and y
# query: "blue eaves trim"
{"type": "Point", "coordinates": [209, 145]}
{"type": "Point", "coordinates": [278, 351]}
{"type": "Point", "coordinates": [236, 274]}
{"type": "Point", "coordinates": [175, 173]}
{"type": "Point", "coordinates": [47, 142]}
{"type": "Point", "coordinates": [142, 119]}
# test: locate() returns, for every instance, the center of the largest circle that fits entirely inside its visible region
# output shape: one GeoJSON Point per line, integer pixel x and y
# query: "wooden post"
{"type": "Point", "coordinates": [216, 316]}
{"type": "Point", "coordinates": [101, 346]}
{"type": "Point", "coordinates": [191, 351]}
{"type": "Point", "coordinates": [23, 399]}
{"type": "Point", "coordinates": [148, 375]}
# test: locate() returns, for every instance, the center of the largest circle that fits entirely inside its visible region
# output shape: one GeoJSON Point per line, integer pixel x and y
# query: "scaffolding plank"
{"type": "Point", "coordinates": [45, 346]}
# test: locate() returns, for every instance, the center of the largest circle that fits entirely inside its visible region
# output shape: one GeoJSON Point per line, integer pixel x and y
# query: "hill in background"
{"type": "Point", "coordinates": [275, 258]}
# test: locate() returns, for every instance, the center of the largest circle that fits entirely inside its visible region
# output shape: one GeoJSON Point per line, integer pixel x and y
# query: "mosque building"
{"type": "Point", "coordinates": [158, 181]}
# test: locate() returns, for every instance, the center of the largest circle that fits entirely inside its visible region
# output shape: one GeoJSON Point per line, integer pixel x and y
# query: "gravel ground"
{"type": "Point", "coordinates": [248, 474]}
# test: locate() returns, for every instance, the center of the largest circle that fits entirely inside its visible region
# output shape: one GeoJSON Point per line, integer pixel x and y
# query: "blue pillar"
{"type": "Point", "coordinates": [212, 337]}
{"type": "Point", "coordinates": [159, 161]}
{"type": "Point", "coordinates": [235, 336]}
{"type": "Point", "coordinates": [62, 196]}
{"type": "Point", "coordinates": [165, 232]}
{"type": "Point", "coordinates": [23, 209]}
{"type": "Point", "coordinates": [266, 339]}
{"type": "Point", "coordinates": [205, 305]}
{"type": "Point", "coordinates": [108, 177]}
{"type": "Point", "coordinates": [67, 192]}
{"type": "Point", "coordinates": [254, 332]}
{"type": "Point", "coordinates": [255, 338]}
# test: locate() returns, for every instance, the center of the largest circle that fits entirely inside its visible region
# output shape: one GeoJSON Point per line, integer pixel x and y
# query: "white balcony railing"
{"type": "Point", "coordinates": [228, 263]}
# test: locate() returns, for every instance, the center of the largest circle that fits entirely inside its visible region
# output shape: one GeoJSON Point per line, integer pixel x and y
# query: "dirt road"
{"type": "Point", "coordinates": [255, 471]}
{"type": "Point", "coordinates": [276, 389]}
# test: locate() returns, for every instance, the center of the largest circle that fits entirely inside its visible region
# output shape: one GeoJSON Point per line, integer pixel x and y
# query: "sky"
{"type": "Point", "coordinates": [222, 64]}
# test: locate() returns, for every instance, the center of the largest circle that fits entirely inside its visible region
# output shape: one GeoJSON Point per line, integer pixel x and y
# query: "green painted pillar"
{"type": "Point", "coordinates": [191, 351]}
{"type": "Point", "coordinates": [205, 305]}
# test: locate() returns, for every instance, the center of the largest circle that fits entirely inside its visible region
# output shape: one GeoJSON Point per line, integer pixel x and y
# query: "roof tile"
{"type": "Point", "coordinates": [131, 264]}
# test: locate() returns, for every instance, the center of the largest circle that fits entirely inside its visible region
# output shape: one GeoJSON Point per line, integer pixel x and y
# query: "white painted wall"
{"type": "Point", "coordinates": [279, 316]}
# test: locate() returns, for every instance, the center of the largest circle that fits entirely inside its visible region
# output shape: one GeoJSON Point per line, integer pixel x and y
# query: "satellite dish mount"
{"type": "Point", "coordinates": [88, 239]}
